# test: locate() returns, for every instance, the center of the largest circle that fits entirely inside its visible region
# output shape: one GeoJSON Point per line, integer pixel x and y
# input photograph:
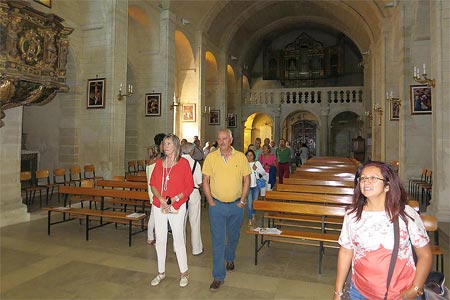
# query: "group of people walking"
{"type": "Point", "coordinates": [229, 182]}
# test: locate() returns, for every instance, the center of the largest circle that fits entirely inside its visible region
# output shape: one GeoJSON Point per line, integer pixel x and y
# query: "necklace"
{"type": "Point", "coordinates": [166, 176]}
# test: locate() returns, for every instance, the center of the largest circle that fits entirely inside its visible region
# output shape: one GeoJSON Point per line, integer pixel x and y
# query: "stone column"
{"type": "Point", "coordinates": [323, 129]}
{"type": "Point", "coordinates": [12, 210]}
{"type": "Point", "coordinates": [167, 65]}
{"type": "Point", "coordinates": [276, 123]}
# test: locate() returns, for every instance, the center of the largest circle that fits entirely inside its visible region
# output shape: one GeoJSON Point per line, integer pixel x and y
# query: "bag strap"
{"type": "Point", "coordinates": [193, 168]}
{"type": "Point", "coordinates": [394, 256]}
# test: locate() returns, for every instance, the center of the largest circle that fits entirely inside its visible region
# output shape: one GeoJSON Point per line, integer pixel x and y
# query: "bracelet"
{"type": "Point", "coordinates": [242, 202]}
{"type": "Point", "coordinates": [340, 294]}
{"type": "Point", "coordinates": [177, 198]}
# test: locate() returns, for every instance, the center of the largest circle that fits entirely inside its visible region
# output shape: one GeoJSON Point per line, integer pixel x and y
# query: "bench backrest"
{"type": "Point", "coordinates": [122, 184]}
{"type": "Point", "coordinates": [299, 208]}
{"type": "Point", "coordinates": [71, 190]}
{"type": "Point", "coordinates": [324, 182]}
{"type": "Point", "coordinates": [309, 197]}
{"type": "Point", "coordinates": [136, 178]}
{"type": "Point", "coordinates": [316, 189]}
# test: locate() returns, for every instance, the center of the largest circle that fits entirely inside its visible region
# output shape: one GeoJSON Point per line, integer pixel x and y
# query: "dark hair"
{"type": "Point", "coordinates": [252, 152]}
{"type": "Point", "coordinates": [396, 196]}
{"type": "Point", "coordinates": [159, 138]}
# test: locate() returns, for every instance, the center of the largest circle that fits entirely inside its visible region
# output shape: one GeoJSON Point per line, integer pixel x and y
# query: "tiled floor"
{"type": "Point", "coordinates": [65, 266]}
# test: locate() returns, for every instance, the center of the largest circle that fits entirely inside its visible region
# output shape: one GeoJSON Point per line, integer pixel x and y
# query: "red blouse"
{"type": "Point", "coordinates": [180, 181]}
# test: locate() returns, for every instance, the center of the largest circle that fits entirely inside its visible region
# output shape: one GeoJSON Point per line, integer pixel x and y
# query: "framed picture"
{"type": "Point", "coordinates": [96, 93]}
{"type": "Point", "coordinates": [188, 112]}
{"type": "Point", "coordinates": [394, 110]}
{"type": "Point", "coordinates": [214, 117]}
{"type": "Point", "coordinates": [47, 3]}
{"type": "Point", "coordinates": [420, 99]}
{"type": "Point", "coordinates": [232, 121]}
{"type": "Point", "coordinates": [152, 104]}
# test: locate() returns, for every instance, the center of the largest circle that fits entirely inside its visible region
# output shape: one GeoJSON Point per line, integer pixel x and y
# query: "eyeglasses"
{"type": "Point", "coordinates": [372, 179]}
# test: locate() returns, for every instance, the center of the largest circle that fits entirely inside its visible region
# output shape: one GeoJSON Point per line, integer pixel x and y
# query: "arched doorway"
{"type": "Point", "coordinates": [345, 126]}
{"type": "Point", "coordinates": [302, 127]}
{"type": "Point", "coordinates": [257, 125]}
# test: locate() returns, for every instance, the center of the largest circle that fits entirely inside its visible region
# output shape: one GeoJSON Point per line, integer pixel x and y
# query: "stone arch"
{"type": "Point", "coordinates": [344, 127]}
{"type": "Point", "coordinates": [257, 125]}
{"type": "Point", "coordinates": [186, 84]}
{"type": "Point", "coordinates": [302, 126]}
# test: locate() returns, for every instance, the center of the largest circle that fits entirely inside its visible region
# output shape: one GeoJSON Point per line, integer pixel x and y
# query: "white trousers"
{"type": "Point", "coordinates": [151, 225]}
{"type": "Point", "coordinates": [177, 224]}
{"type": "Point", "coordinates": [263, 190]}
{"type": "Point", "coordinates": [194, 214]}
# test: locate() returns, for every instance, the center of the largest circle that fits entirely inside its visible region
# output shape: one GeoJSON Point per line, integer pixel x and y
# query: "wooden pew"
{"type": "Point", "coordinates": [319, 238]}
{"type": "Point", "coordinates": [317, 189]}
{"type": "Point", "coordinates": [324, 174]}
{"type": "Point", "coordinates": [106, 217]}
{"type": "Point", "coordinates": [313, 181]}
{"type": "Point", "coordinates": [131, 185]}
{"type": "Point", "coordinates": [325, 199]}
{"type": "Point", "coordinates": [136, 178]}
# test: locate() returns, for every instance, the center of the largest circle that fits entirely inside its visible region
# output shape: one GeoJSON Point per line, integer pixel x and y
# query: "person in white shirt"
{"type": "Point", "coordinates": [194, 202]}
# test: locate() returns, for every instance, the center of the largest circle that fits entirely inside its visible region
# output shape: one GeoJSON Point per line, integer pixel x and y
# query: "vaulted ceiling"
{"type": "Point", "coordinates": [240, 27]}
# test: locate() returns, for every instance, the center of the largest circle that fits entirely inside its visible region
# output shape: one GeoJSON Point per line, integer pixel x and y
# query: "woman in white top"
{"type": "Point", "coordinates": [154, 153]}
{"type": "Point", "coordinates": [257, 171]}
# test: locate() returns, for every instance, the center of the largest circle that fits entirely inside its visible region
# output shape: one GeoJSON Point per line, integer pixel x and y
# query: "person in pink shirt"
{"type": "Point", "coordinates": [268, 161]}
{"type": "Point", "coordinates": [367, 239]}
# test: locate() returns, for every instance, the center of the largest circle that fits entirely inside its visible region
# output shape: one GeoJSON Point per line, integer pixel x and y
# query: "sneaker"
{"type": "Point", "coordinates": [215, 285]}
{"type": "Point", "coordinates": [230, 266]}
{"type": "Point", "coordinates": [184, 280]}
{"type": "Point", "coordinates": [157, 280]}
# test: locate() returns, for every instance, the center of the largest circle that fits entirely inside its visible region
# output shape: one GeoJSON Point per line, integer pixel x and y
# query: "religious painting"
{"type": "Point", "coordinates": [214, 117]}
{"type": "Point", "coordinates": [47, 3]}
{"type": "Point", "coordinates": [232, 121]}
{"type": "Point", "coordinates": [188, 112]}
{"type": "Point", "coordinates": [394, 110]}
{"type": "Point", "coordinates": [152, 104]}
{"type": "Point", "coordinates": [420, 99]}
{"type": "Point", "coordinates": [96, 93]}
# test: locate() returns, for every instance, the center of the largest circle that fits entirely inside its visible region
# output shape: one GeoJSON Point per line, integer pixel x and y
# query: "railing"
{"type": "Point", "coordinates": [350, 94]}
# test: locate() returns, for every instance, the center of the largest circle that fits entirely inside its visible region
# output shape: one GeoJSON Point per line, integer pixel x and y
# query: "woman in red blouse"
{"type": "Point", "coordinates": [171, 183]}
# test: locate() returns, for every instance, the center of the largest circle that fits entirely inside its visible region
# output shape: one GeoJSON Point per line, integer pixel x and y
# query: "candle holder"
{"type": "Point", "coordinates": [129, 93]}
{"type": "Point", "coordinates": [424, 79]}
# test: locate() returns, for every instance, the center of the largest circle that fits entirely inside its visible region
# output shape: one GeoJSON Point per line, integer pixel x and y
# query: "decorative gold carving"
{"type": "Point", "coordinates": [33, 55]}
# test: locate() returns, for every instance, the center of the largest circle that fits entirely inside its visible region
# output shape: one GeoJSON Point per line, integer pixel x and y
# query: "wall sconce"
{"type": "Point", "coordinates": [425, 80]}
{"type": "Point", "coordinates": [390, 98]}
{"type": "Point", "coordinates": [129, 93]}
{"type": "Point", "coordinates": [175, 104]}
{"type": "Point", "coordinates": [370, 116]}
{"type": "Point", "coordinates": [206, 110]}
{"type": "Point", "coordinates": [379, 111]}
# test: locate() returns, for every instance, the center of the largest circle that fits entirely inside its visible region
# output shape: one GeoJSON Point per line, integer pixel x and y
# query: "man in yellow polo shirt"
{"type": "Point", "coordinates": [226, 182]}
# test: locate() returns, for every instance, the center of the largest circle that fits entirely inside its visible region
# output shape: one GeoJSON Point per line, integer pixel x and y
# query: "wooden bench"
{"type": "Point", "coordinates": [324, 182]}
{"type": "Point", "coordinates": [136, 178]}
{"type": "Point", "coordinates": [130, 185]}
{"type": "Point", "coordinates": [320, 238]}
{"type": "Point", "coordinates": [340, 200]}
{"type": "Point", "coordinates": [315, 189]}
{"type": "Point", "coordinates": [106, 217]}
{"type": "Point", "coordinates": [113, 195]}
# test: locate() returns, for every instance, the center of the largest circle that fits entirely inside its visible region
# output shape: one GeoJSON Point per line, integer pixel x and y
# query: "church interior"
{"type": "Point", "coordinates": [92, 82]}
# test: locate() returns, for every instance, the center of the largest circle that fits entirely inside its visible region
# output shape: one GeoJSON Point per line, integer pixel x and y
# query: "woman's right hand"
{"type": "Point", "coordinates": [164, 204]}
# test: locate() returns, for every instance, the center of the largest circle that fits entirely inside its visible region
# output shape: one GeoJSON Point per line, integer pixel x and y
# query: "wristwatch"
{"type": "Point", "coordinates": [177, 198]}
{"type": "Point", "coordinates": [418, 290]}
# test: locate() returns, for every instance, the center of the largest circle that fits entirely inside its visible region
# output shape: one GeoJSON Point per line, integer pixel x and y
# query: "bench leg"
{"type": "Point", "coordinates": [129, 233]}
{"type": "Point", "coordinates": [87, 227]}
{"type": "Point", "coordinates": [49, 221]}
{"type": "Point", "coordinates": [321, 249]}
{"type": "Point", "coordinates": [256, 250]}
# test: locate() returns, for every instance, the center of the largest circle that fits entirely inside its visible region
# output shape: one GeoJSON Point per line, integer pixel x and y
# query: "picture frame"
{"type": "Point", "coordinates": [232, 121]}
{"type": "Point", "coordinates": [153, 104]}
{"type": "Point", "coordinates": [188, 112]}
{"type": "Point", "coordinates": [47, 3]}
{"type": "Point", "coordinates": [214, 117]}
{"type": "Point", "coordinates": [394, 110]}
{"type": "Point", "coordinates": [96, 93]}
{"type": "Point", "coordinates": [421, 99]}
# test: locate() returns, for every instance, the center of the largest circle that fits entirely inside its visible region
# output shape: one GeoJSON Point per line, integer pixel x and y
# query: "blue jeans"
{"type": "Point", "coordinates": [252, 196]}
{"type": "Point", "coordinates": [225, 220]}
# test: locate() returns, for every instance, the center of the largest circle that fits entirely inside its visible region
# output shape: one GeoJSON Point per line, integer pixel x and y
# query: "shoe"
{"type": "Point", "coordinates": [184, 280]}
{"type": "Point", "coordinates": [198, 254]}
{"type": "Point", "coordinates": [157, 280]}
{"type": "Point", "coordinates": [151, 242]}
{"type": "Point", "coordinates": [230, 266]}
{"type": "Point", "coordinates": [215, 285]}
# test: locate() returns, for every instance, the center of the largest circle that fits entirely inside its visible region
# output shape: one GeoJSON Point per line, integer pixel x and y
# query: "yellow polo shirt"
{"type": "Point", "coordinates": [226, 177]}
